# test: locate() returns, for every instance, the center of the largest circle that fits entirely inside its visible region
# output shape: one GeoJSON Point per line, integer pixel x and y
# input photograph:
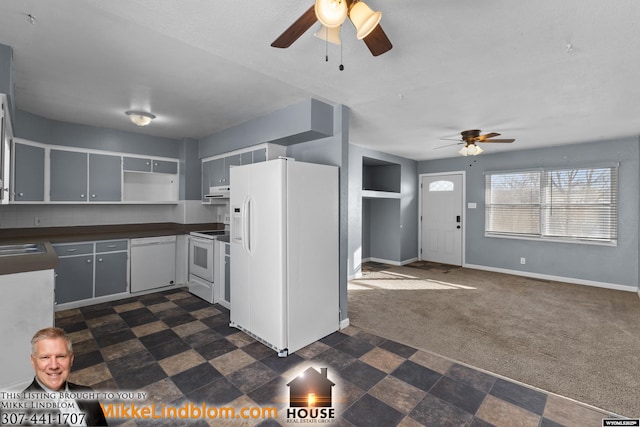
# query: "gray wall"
{"type": "Point", "coordinates": [386, 229]}
{"type": "Point", "coordinates": [592, 263]}
{"type": "Point", "coordinates": [308, 120]}
{"type": "Point", "coordinates": [36, 128]}
{"type": "Point", "coordinates": [6, 76]}
{"type": "Point", "coordinates": [302, 128]}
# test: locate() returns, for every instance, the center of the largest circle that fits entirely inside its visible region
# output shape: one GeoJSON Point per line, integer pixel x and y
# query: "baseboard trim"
{"type": "Point", "coordinates": [388, 261]}
{"type": "Point", "coordinates": [344, 323]}
{"type": "Point", "coordinates": [556, 278]}
{"type": "Point", "coordinates": [358, 274]}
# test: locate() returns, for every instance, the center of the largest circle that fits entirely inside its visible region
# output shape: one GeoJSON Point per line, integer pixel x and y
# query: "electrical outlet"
{"type": "Point", "coordinates": [523, 260]}
{"type": "Point", "coordinates": [36, 220]}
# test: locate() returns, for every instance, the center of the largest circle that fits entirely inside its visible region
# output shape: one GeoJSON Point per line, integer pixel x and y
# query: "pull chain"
{"type": "Point", "coordinates": [326, 44]}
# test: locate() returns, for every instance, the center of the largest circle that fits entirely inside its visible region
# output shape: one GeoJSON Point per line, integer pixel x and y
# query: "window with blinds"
{"type": "Point", "coordinates": [578, 204]}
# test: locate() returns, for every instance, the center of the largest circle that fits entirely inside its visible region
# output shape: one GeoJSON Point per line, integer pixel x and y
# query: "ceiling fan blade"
{"type": "Point", "coordinates": [448, 145]}
{"type": "Point", "coordinates": [498, 140]}
{"type": "Point", "coordinates": [377, 41]}
{"type": "Point", "coordinates": [296, 29]}
{"type": "Point", "coordinates": [487, 136]}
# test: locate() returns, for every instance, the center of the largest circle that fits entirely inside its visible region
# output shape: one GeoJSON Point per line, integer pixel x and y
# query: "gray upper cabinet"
{"type": "Point", "coordinates": [68, 176]}
{"type": "Point", "coordinates": [165, 166]}
{"type": "Point", "coordinates": [29, 173]}
{"type": "Point", "coordinates": [215, 173]}
{"type": "Point", "coordinates": [136, 164]}
{"type": "Point", "coordinates": [105, 178]}
{"type": "Point", "coordinates": [140, 164]}
{"type": "Point", "coordinates": [228, 163]}
{"type": "Point", "coordinates": [260, 155]}
{"type": "Point", "coordinates": [246, 158]}
{"type": "Point", "coordinates": [79, 177]}
{"type": "Point", "coordinates": [45, 173]}
{"type": "Point", "coordinates": [215, 170]}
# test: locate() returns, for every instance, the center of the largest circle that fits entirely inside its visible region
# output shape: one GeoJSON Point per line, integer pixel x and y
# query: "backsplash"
{"type": "Point", "coordinates": [59, 215]}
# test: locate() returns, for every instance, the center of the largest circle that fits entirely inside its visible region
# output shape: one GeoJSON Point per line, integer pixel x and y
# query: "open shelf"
{"type": "Point", "coordinates": [380, 176]}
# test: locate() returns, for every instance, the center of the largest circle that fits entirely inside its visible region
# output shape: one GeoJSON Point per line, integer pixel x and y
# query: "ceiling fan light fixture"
{"type": "Point", "coordinates": [331, 35]}
{"type": "Point", "coordinates": [331, 13]}
{"type": "Point", "coordinates": [140, 118]}
{"type": "Point", "coordinates": [364, 19]}
{"type": "Point", "coordinates": [470, 150]}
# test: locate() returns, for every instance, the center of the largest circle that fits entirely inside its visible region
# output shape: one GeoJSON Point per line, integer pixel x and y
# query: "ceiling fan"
{"type": "Point", "coordinates": [470, 137]}
{"type": "Point", "coordinates": [331, 14]}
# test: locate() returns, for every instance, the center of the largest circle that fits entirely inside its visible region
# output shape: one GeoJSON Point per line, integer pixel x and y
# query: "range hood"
{"type": "Point", "coordinates": [220, 192]}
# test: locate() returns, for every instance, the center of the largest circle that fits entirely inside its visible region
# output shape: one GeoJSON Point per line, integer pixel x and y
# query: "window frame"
{"type": "Point", "coordinates": [543, 206]}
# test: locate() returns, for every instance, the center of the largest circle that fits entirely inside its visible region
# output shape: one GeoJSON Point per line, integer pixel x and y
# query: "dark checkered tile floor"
{"type": "Point", "coordinates": [177, 347]}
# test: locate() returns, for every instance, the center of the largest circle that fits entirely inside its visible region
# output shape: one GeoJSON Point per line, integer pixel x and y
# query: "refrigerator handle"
{"type": "Point", "coordinates": [248, 231]}
{"type": "Point", "coordinates": [245, 225]}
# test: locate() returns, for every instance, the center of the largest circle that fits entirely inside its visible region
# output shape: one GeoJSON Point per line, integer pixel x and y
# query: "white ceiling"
{"type": "Point", "coordinates": [546, 72]}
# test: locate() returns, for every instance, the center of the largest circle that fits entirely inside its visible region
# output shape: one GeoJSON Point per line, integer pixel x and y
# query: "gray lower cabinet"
{"type": "Point", "coordinates": [29, 173]}
{"type": "Point", "coordinates": [91, 269]}
{"type": "Point", "coordinates": [111, 273]}
{"type": "Point", "coordinates": [74, 279]}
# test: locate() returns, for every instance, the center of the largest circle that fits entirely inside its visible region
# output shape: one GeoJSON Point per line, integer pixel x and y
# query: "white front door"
{"type": "Point", "coordinates": [441, 218]}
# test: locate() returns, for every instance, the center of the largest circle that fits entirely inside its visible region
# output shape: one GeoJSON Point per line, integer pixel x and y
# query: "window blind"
{"type": "Point", "coordinates": [565, 204]}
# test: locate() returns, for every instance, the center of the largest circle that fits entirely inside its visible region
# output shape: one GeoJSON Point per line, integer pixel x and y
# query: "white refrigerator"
{"type": "Point", "coordinates": [284, 252]}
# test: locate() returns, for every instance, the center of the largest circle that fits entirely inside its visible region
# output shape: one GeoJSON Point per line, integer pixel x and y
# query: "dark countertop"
{"type": "Point", "coordinates": [49, 235]}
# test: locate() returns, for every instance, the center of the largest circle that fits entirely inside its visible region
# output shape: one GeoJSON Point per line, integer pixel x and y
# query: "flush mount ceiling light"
{"type": "Point", "coordinates": [470, 150]}
{"type": "Point", "coordinates": [140, 118]}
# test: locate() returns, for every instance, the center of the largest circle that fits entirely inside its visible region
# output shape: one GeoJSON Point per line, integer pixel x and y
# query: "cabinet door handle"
{"type": "Point", "coordinates": [112, 246]}
{"type": "Point", "coordinates": [88, 261]}
{"type": "Point", "coordinates": [93, 196]}
{"type": "Point", "coordinates": [20, 194]}
{"type": "Point", "coordinates": [82, 196]}
{"type": "Point", "coordinates": [72, 250]}
{"type": "Point", "coordinates": [99, 259]}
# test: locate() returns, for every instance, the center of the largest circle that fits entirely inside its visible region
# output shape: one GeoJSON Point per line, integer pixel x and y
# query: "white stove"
{"type": "Point", "coordinates": [209, 234]}
{"type": "Point", "coordinates": [202, 264]}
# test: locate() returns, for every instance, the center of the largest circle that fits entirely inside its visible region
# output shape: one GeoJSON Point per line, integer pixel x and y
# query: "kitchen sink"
{"type": "Point", "coordinates": [22, 249]}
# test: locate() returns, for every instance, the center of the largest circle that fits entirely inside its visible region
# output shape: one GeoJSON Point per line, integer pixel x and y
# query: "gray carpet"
{"type": "Point", "coordinates": [577, 341]}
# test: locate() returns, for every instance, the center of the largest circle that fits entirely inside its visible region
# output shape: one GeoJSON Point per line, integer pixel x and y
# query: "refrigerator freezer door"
{"type": "Point", "coordinates": [257, 264]}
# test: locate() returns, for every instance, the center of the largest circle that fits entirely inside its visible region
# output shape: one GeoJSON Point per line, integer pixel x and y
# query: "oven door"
{"type": "Point", "coordinates": [201, 253]}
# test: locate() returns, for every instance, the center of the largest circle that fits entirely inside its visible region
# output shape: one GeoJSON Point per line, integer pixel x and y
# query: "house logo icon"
{"type": "Point", "coordinates": [310, 395]}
